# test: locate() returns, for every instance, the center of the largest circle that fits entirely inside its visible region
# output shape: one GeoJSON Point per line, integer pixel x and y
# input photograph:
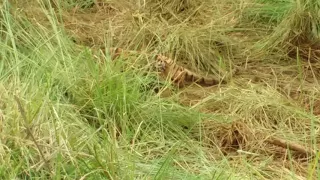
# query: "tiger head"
{"type": "Point", "coordinates": [160, 64]}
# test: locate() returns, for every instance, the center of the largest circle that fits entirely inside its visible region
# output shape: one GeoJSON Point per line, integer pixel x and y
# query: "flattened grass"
{"type": "Point", "coordinates": [98, 119]}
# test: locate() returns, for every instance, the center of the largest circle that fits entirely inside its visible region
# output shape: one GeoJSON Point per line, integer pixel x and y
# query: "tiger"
{"type": "Point", "coordinates": [167, 68]}
{"type": "Point", "coordinates": [181, 76]}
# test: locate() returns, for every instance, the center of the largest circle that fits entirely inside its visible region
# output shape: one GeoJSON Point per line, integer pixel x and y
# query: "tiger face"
{"type": "Point", "coordinates": [160, 64]}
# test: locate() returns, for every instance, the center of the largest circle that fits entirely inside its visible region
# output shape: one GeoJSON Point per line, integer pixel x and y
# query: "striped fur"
{"type": "Point", "coordinates": [167, 68]}
{"type": "Point", "coordinates": [180, 75]}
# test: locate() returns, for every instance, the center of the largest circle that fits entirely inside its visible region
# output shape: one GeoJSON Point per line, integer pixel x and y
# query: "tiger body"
{"type": "Point", "coordinates": [168, 69]}
{"type": "Point", "coordinates": [180, 75]}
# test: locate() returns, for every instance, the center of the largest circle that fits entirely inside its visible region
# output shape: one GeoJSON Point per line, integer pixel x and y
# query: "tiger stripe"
{"type": "Point", "coordinates": [167, 68]}
{"type": "Point", "coordinates": [180, 75]}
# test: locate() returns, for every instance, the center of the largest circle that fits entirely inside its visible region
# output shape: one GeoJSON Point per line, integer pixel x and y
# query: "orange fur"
{"type": "Point", "coordinates": [180, 75]}
{"type": "Point", "coordinates": [168, 69]}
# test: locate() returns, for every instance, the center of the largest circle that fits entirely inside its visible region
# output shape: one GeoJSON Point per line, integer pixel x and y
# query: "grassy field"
{"type": "Point", "coordinates": [68, 112]}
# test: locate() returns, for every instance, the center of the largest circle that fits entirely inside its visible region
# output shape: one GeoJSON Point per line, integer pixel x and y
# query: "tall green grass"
{"type": "Point", "coordinates": [88, 120]}
{"type": "Point", "coordinates": [297, 25]}
{"type": "Point", "coordinates": [83, 116]}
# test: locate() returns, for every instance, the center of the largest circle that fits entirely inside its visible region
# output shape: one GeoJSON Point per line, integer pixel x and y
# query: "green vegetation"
{"type": "Point", "coordinates": [68, 111]}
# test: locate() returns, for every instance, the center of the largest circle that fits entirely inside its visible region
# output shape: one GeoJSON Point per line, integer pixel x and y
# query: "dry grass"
{"type": "Point", "coordinates": [95, 118]}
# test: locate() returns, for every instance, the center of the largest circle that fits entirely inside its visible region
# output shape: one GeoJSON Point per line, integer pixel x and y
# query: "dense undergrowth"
{"type": "Point", "coordinates": [68, 112]}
